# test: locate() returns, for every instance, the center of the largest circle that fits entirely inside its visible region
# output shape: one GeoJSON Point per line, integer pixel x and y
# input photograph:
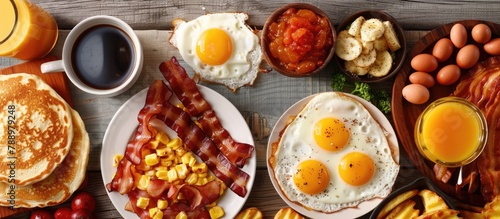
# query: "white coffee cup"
{"type": "Point", "coordinates": [101, 55]}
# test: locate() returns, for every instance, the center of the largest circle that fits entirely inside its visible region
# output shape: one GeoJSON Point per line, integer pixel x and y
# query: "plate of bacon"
{"type": "Point", "coordinates": [140, 185]}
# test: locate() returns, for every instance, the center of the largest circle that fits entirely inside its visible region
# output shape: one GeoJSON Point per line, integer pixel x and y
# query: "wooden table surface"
{"type": "Point", "coordinates": [261, 104]}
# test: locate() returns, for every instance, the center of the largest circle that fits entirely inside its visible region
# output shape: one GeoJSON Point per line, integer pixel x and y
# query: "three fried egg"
{"type": "Point", "coordinates": [333, 155]}
{"type": "Point", "coordinates": [220, 48]}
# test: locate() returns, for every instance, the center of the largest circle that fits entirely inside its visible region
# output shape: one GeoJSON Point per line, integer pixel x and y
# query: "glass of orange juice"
{"type": "Point", "coordinates": [27, 31]}
{"type": "Point", "coordinates": [451, 131]}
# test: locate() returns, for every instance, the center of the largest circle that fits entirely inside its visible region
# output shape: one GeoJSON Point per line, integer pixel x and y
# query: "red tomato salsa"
{"type": "Point", "coordinates": [300, 39]}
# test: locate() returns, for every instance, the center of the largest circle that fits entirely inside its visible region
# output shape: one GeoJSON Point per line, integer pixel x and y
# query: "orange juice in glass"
{"type": "Point", "coordinates": [26, 30]}
{"type": "Point", "coordinates": [451, 131]}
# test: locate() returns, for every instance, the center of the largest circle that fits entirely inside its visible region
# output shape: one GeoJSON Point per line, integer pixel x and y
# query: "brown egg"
{"type": "Point", "coordinates": [424, 62]}
{"type": "Point", "coordinates": [448, 75]}
{"type": "Point", "coordinates": [493, 47]}
{"type": "Point", "coordinates": [416, 93]}
{"type": "Point", "coordinates": [467, 56]}
{"type": "Point", "coordinates": [458, 35]}
{"type": "Point", "coordinates": [481, 33]}
{"type": "Point", "coordinates": [443, 49]}
{"type": "Point", "coordinates": [422, 78]}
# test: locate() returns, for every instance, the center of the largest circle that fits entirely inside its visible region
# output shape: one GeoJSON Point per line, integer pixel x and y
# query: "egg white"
{"type": "Point", "coordinates": [241, 68]}
{"type": "Point", "coordinates": [297, 144]}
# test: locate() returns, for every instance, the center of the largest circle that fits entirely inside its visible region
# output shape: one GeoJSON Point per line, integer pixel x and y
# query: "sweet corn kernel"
{"type": "Point", "coordinates": [158, 215]}
{"type": "Point", "coordinates": [163, 151]}
{"type": "Point", "coordinates": [188, 159]}
{"type": "Point", "coordinates": [200, 168]}
{"type": "Point", "coordinates": [153, 144]}
{"type": "Point", "coordinates": [142, 202]}
{"type": "Point", "coordinates": [143, 183]}
{"type": "Point", "coordinates": [117, 159]}
{"type": "Point", "coordinates": [165, 162]}
{"type": "Point", "coordinates": [162, 174]}
{"type": "Point", "coordinates": [162, 204]}
{"type": "Point", "coordinates": [172, 175]}
{"type": "Point", "coordinates": [152, 212]}
{"type": "Point", "coordinates": [182, 171]}
{"type": "Point", "coordinates": [170, 157]}
{"type": "Point", "coordinates": [202, 175]}
{"type": "Point", "coordinates": [201, 181]}
{"type": "Point", "coordinates": [162, 137]}
{"type": "Point", "coordinates": [180, 151]}
{"type": "Point", "coordinates": [174, 143]}
{"type": "Point", "coordinates": [150, 173]}
{"type": "Point", "coordinates": [151, 159]}
{"type": "Point", "coordinates": [180, 196]}
{"type": "Point", "coordinates": [216, 212]}
{"type": "Point", "coordinates": [181, 215]}
{"type": "Point", "coordinates": [191, 179]}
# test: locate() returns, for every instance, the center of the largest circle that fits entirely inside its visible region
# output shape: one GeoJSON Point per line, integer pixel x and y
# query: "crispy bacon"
{"type": "Point", "coordinates": [198, 142]}
{"type": "Point", "coordinates": [123, 181]}
{"type": "Point", "coordinates": [481, 86]}
{"type": "Point", "coordinates": [188, 93]}
{"type": "Point", "coordinates": [157, 94]}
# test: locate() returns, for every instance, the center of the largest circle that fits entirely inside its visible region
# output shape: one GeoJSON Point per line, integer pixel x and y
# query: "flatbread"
{"type": "Point", "coordinates": [36, 129]}
{"type": "Point", "coordinates": [59, 185]}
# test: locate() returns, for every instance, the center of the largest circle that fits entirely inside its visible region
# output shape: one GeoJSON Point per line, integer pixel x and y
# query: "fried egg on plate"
{"type": "Point", "coordinates": [220, 48]}
{"type": "Point", "coordinates": [333, 155]}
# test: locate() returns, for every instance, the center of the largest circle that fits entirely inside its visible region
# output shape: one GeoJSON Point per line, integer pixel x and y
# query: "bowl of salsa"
{"type": "Point", "coordinates": [298, 40]}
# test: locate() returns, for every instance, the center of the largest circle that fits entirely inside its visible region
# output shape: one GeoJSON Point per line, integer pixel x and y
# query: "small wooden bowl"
{"type": "Point", "coordinates": [264, 41]}
{"type": "Point", "coordinates": [400, 54]}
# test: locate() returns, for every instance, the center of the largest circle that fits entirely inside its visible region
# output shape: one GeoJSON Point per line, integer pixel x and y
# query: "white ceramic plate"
{"type": "Point", "coordinates": [362, 208]}
{"type": "Point", "coordinates": [124, 123]}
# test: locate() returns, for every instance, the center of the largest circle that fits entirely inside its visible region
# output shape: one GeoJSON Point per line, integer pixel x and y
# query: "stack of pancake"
{"type": "Point", "coordinates": [44, 147]}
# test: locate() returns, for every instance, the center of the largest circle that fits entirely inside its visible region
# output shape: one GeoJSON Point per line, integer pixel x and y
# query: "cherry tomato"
{"type": "Point", "coordinates": [41, 214]}
{"type": "Point", "coordinates": [83, 200]}
{"type": "Point", "coordinates": [63, 213]}
{"type": "Point", "coordinates": [81, 214]}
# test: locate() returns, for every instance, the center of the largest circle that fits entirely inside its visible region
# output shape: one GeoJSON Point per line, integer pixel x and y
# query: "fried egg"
{"type": "Point", "coordinates": [333, 155]}
{"type": "Point", "coordinates": [220, 48]}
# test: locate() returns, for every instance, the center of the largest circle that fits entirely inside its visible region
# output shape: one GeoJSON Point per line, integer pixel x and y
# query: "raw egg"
{"type": "Point", "coordinates": [443, 49]}
{"type": "Point", "coordinates": [422, 78]}
{"type": "Point", "coordinates": [416, 93]}
{"type": "Point", "coordinates": [481, 33]}
{"type": "Point", "coordinates": [493, 47]}
{"type": "Point", "coordinates": [424, 62]}
{"type": "Point", "coordinates": [448, 75]}
{"type": "Point", "coordinates": [458, 35]}
{"type": "Point", "coordinates": [467, 56]}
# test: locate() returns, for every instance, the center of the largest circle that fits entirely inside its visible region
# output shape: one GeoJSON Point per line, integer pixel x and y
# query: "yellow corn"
{"type": "Point", "coordinates": [200, 168]}
{"type": "Point", "coordinates": [163, 151]}
{"type": "Point", "coordinates": [182, 171]}
{"type": "Point", "coordinates": [174, 143]}
{"type": "Point", "coordinates": [162, 137]}
{"type": "Point", "coordinates": [188, 159]}
{"type": "Point", "coordinates": [142, 202]}
{"type": "Point", "coordinates": [162, 174]}
{"type": "Point", "coordinates": [153, 144]}
{"type": "Point", "coordinates": [143, 183]}
{"type": "Point", "coordinates": [166, 162]}
{"type": "Point", "coordinates": [172, 175]}
{"type": "Point", "coordinates": [170, 157]}
{"type": "Point", "coordinates": [201, 181]}
{"type": "Point", "coordinates": [181, 215]}
{"type": "Point", "coordinates": [191, 179]}
{"type": "Point", "coordinates": [162, 204]}
{"type": "Point", "coordinates": [151, 159]}
{"type": "Point", "coordinates": [216, 212]}
{"type": "Point", "coordinates": [202, 175]}
{"type": "Point", "coordinates": [117, 159]}
{"type": "Point", "coordinates": [180, 151]}
{"type": "Point", "coordinates": [150, 173]}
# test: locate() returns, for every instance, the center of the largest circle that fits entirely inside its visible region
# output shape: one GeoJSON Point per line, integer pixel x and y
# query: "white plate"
{"type": "Point", "coordinates": [362, 208]}
{"type": "Point", "coordinates": [124, 123]}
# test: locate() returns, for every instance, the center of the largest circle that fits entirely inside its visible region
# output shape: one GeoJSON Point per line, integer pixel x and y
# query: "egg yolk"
{"type": "Point", "coordinates": [331, 134]}
{"type": "Point", "coordinates": [214, 47]}
{"type": "Point", "coordinates": [311, 177]}
{"type": "Point", "coordinates": [356, 168]}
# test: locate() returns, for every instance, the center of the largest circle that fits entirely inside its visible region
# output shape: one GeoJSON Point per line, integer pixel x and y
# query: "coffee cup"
{"type": "Point", "coordinates": [101, 55]}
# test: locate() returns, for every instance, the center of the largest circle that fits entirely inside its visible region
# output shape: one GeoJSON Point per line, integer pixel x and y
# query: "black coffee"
{"type": "Point", "coordinates": [103, 57]}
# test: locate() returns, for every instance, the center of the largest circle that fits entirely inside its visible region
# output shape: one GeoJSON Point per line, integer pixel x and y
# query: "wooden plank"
{"type": "Point", "coordinates": [157, 14]}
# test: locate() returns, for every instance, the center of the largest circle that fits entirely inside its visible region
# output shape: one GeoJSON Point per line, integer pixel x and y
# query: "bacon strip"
{"type": "Point", "coordinates": [123, 181]}
{"type": "Point", "coordinates": [198, 142]}
{"type": "Point", "coordinates": [188, 93]}
{"type": "Point", "coordinates": [157, 94]}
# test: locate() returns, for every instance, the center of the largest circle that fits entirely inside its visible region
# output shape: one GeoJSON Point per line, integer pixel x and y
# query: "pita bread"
{"type": "Point", "coordinates": [36, 129]}
{"type": "Point", "coordinates": [59, 185]}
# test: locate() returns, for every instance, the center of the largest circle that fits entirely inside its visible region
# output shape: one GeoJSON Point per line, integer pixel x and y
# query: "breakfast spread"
{"type": "Point", "coordinates": [331, 157]}
{"type": "Point", "coordinates": [46, 143]}
{"type": "Point", "coordinates": [220, 48]}
{"type": "Point", "coordinates": [328, 159]}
